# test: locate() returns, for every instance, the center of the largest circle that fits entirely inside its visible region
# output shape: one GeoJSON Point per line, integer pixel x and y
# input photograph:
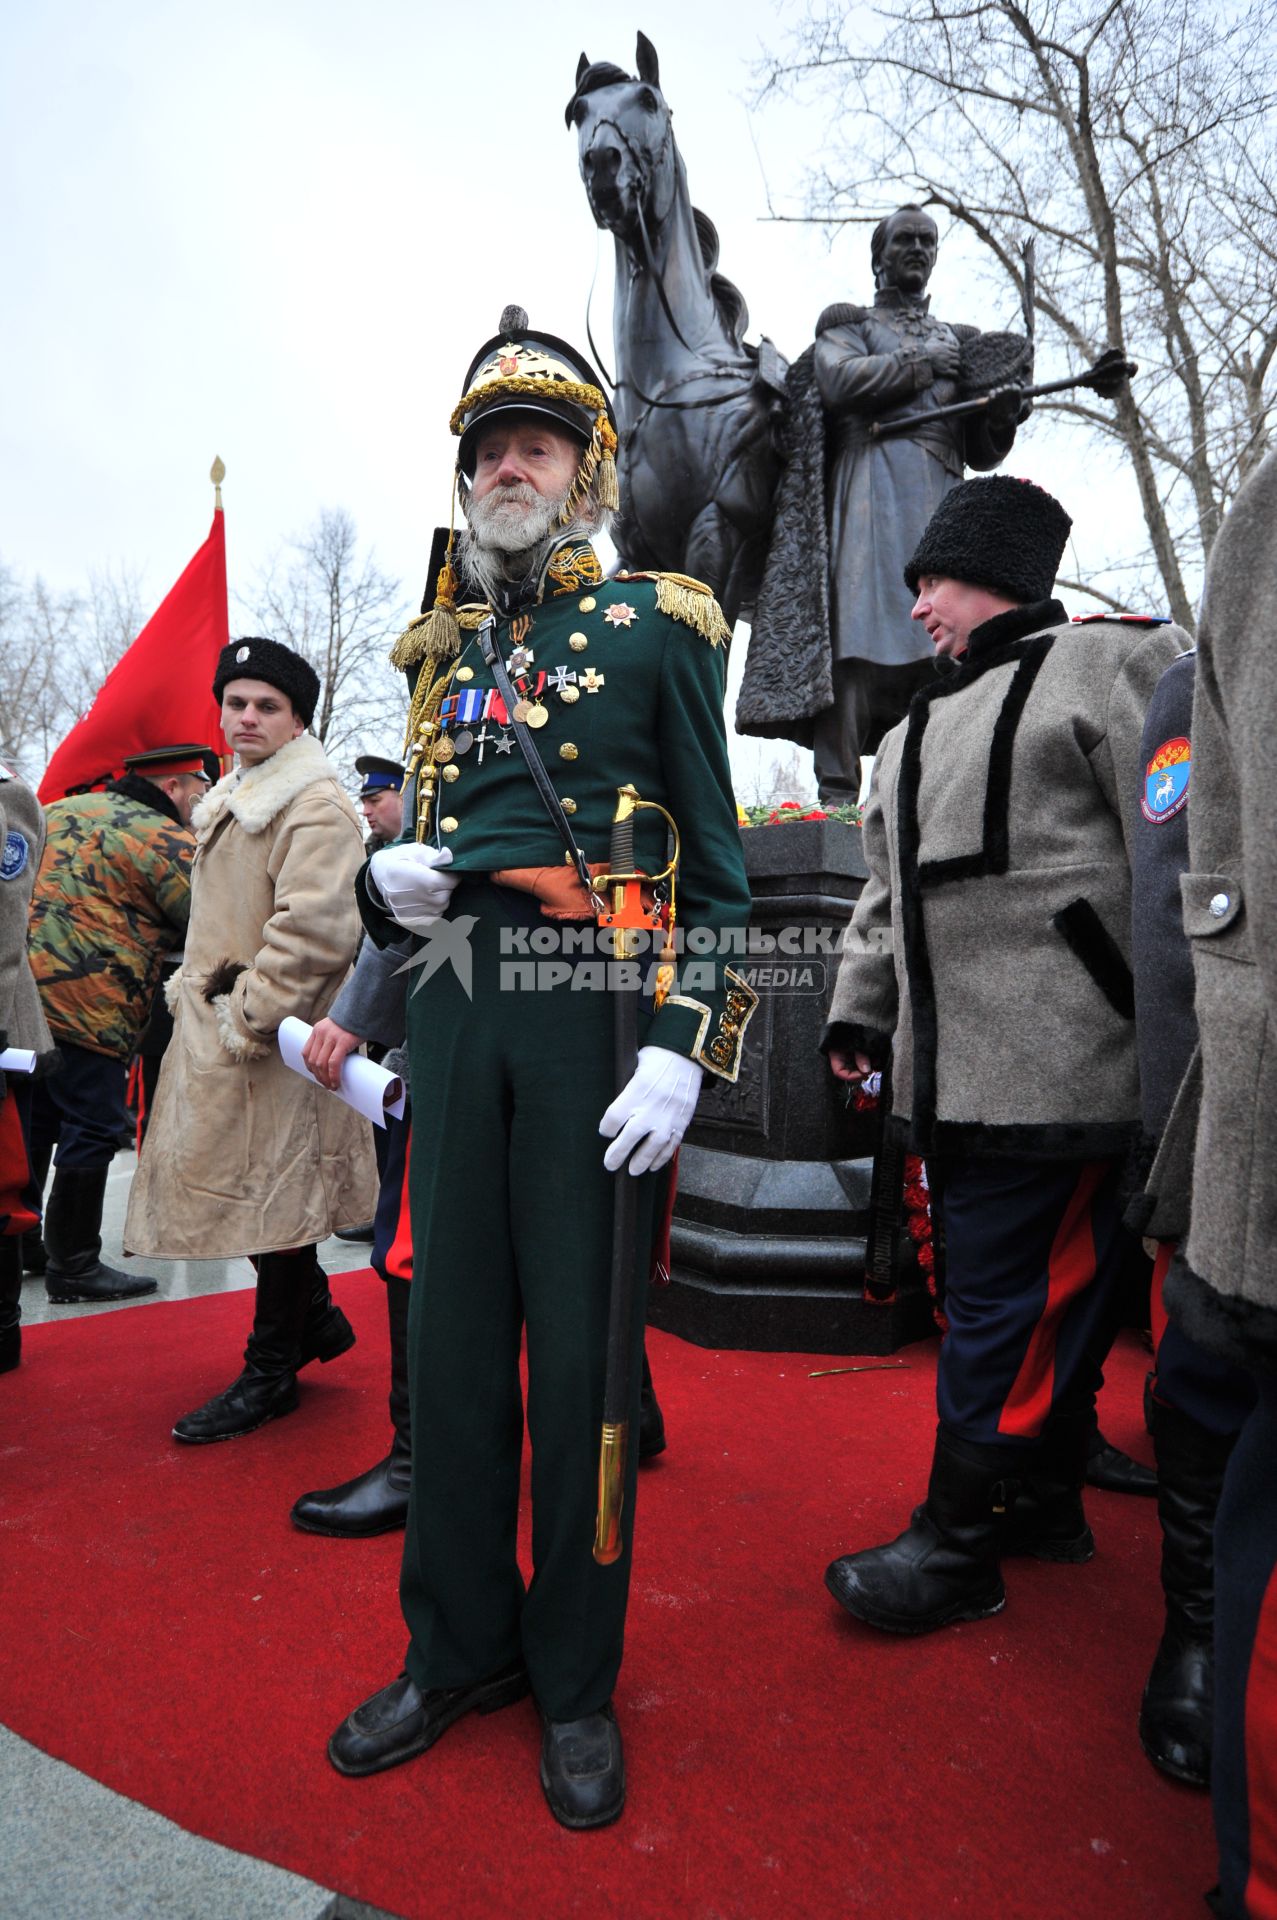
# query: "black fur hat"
{"type": "Point", "coordinates": [996, 532]}
{"type": "Point", "coordinates": [255, 658]}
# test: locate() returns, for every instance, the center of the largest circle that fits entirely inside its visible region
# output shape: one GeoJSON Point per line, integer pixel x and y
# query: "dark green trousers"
{"type": "Point", "coordinates": [511, 1227]}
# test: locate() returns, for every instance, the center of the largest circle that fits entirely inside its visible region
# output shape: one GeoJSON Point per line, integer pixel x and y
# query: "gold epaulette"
{"type": "Point", "coordinates": [688, 600]}
{"type": "Point", "coordinates": [414, 642]}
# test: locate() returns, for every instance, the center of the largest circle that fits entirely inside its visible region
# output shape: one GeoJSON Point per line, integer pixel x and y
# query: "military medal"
{"type": "Point", "coordinates": [621, 615]}
{"type": "Point", "coordinates": [463, 741]}
{"type": "Point", "coordinates": [592, 681]}
{"type": "Point", "coordinates": [522, 709]}
{"type": "Point", "coordinates": [444, 750]}
{"type": "Point", "coordinates": [537, 715]}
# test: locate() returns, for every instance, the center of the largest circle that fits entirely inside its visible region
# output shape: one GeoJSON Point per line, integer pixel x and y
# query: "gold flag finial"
{"type": "Point", "coordinates": [217, 473]}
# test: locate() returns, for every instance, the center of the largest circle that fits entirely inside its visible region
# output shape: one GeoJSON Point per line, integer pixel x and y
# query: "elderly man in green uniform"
{"type": "Point", "coordinates": [613, 682]}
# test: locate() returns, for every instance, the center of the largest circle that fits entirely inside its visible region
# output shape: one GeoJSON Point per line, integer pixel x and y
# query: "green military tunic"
{"type": "Point", "coordinates": [511, 1204]}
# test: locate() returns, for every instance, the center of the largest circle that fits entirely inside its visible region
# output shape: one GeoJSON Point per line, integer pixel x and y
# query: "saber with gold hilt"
{"type": "Point", "coordinates": [625, 913]}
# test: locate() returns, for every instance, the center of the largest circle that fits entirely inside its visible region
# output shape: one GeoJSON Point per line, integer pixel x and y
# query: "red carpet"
{"type": "Point", "coordinates": [171, 1634]}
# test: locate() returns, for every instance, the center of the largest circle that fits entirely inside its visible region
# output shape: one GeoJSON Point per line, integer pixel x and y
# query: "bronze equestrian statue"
{"type": "Point", "coordinates": [696, 406]}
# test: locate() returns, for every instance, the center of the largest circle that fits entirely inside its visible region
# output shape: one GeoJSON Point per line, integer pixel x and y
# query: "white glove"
{"type": "Point", "coordinates": [410, 884]}
{"type": "Point", "coordinates": [650, 1115]}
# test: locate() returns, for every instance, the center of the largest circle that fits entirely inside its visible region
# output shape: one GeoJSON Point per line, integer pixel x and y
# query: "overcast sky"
{"type": "Point", "coordinates": [277, 232]}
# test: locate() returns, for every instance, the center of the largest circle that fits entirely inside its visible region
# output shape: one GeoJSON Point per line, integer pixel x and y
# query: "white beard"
{"type": "Point", "coordinates": [513, 519]}
{"type": "Point", "coordinates": [512, 532]}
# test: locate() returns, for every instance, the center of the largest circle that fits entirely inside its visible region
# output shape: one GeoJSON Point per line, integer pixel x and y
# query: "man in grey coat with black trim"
{"type": "Point", "coordinates": [989, 960]}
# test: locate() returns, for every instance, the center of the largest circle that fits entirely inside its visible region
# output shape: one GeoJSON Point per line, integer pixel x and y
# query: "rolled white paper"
{"type": "Point", "coordinates": [17, 1060]}
{"type": "Point", "coordinates": [365, 1086]}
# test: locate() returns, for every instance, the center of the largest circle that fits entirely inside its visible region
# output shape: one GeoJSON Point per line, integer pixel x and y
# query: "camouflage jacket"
{"type": "Point", "coordinates": [112, 898]}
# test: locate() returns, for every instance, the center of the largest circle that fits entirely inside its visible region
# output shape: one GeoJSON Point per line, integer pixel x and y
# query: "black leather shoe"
{"type": "Point", "coordinates": [400, 1722]}
{"type": "Point", "coordinates": [365, 1231]}
{"type": "Point", "coordinates": [248, 1403]}
{"type": "Point", "coordinates": [94, 1282]}
{"type": "Point", "coordinates": [583, 1769]}
{"type": "Point", "coordinates": [34, 1257]}
{"type": "Point", "coordinates": [1114, 1471]}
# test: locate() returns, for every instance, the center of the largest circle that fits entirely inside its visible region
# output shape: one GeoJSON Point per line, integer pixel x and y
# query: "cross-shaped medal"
{"type": "Point", "coordinates": [591, 680]}
{"type": "Point", "coordinates": [519, 662]}
{"type": "Point", "coordinates": [483, 739]}
{"type": "Point", "coordinates": [560, 677]}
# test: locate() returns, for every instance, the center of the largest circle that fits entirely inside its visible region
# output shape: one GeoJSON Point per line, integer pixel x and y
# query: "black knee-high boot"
{"type": "Point", "coordinates": [944, 1566]}
{"type": "Point", "coordinates": [375, 1501]}
{"type": "Point", "coordinates": [73, 1241]}
{"type": "Point", "coordinates": [1178, 1704]}
{"type": "Point", "coordinates": [10, 1301]}
{"type": "Point", "coordinates": [1048, 1520]}
{"type": "Point", "coordinates": [327, 1332]}
{"type": "Point", "coordinates": [267, 1387]}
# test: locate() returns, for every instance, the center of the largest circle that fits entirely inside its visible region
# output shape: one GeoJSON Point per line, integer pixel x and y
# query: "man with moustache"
{"type": "Point", "coordinates": [611, 682]}
{"type": "Point", "coordinates": [992, 967]}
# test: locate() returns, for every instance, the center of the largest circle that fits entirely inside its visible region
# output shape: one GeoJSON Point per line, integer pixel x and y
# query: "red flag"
{"type": "Point", "coordinates": [160, 694]}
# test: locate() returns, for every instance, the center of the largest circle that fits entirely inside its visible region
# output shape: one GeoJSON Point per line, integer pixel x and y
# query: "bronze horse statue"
{"type": "Point", "coordinates": [696, 406]}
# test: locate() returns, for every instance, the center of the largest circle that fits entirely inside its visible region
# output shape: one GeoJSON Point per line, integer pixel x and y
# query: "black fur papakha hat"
{"type": "Point", "coordinates": [255, 658]}
{"type": "Point", "coordinates": [997, 532]}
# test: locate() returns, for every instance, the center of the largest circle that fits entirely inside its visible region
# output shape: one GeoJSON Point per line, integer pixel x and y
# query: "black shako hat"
{"type": "Point", "coordinates": [256, 658]}
{"type": "Point", "coordinates": [522, 370]}
{"type": "Point", "coordinates": [997, 532]}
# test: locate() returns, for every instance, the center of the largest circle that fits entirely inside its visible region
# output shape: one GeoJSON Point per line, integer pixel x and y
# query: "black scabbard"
{"type": "Point", "coordinates": [614, 1439]}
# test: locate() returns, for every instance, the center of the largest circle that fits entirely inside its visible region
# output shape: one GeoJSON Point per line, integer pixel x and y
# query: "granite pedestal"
{"type": "Point", "coordinates": [775, 1175]}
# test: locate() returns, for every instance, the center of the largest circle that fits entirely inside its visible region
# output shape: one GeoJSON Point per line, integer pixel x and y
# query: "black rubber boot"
{"type": "Point", "coordinates": [1175, 1716]}
{"type": "Point", "coordinates": [376, 1501]}
{"type": "Point", "coordinates": [651, 1435]}
{"type": "Point", "coordinates": [327, 1331]}
{"type": "Point", "coordinates": [73, 1242]}
{"type": "Point", "coordinates": [10, 1301]}
{"type": "Point", "coordinates": [267, 1388]}
{"type": "Point", "coordinates": [944, 1567]}
{"type": "Point", "coordinates": [1048, 1521]}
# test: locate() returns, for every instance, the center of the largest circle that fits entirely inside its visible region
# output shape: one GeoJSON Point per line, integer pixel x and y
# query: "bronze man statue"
{"type": "Point", "coordinates": [835, 657]}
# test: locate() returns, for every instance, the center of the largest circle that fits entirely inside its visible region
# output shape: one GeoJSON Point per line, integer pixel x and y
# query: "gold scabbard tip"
{"type": "Point", "coordinates": [608, 1543]}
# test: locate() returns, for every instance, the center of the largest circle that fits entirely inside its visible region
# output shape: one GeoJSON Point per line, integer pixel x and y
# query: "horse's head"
{"type": "Point", "coordinates": [625, 141]}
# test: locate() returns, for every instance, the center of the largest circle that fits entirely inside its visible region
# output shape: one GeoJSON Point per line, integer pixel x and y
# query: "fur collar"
{"type": "Point", "coordinates": [256, 795]}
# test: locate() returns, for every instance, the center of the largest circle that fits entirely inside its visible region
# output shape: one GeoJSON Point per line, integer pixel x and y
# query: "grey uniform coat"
{"type": "Point", "coordinates": [993, 934]}
{"type": "Point", "coordinates": [1223, 1287]}
{"type": "Point", "coordinates": [22, 1021]}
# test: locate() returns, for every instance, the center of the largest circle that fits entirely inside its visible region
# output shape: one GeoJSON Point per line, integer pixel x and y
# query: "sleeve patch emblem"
{"type": "Point", "coordinates": [14, 859]}
{"type": "Point", "coordinates": [1166, 781]}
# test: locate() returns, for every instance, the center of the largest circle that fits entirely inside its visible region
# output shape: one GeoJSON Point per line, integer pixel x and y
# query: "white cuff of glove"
{"type": "Point", "coordinates": [409, 881]}
{"type": "Point", "coordinates": [652, 1112]}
